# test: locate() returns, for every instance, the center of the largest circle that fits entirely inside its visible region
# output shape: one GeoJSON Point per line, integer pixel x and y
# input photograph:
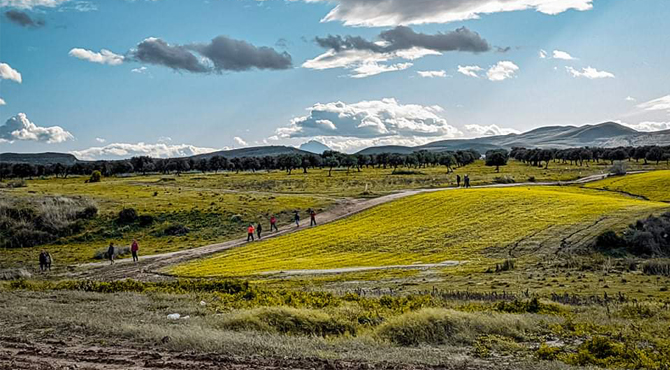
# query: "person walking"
{"type": "Point", "coordinates": [110, 253]}
{"type": "Point", "coordinates": [312, 218]}
{"type": "Point", "coordinates": [458, 181]}
{"type": "Point", "coordinates": [133, 249]}
{"type": "Point", "coordinates": [273, 223]}
{"type": "Point", "coordinates": [250, 233]}
{"type": "Point", "coordinates": [466, 181]}
{"type": "Point", "coordinates": [259, 229]}
{"type": "Point", "coordinates": [43, 260]}
{"type": "Point", "coordinates": [47, 260]}
{"type": "Point", "coordinates": [296, 218]}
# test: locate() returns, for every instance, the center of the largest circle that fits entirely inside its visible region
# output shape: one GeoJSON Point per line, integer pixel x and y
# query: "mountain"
{"type": "Point", "coordinates": [608, 134]}
{"type": "Point", "coordinates": [39, 158]}
{"type": "Point", "coordinates": [257, 151]}
{"type": "Point", "coordinates": [314, 146]}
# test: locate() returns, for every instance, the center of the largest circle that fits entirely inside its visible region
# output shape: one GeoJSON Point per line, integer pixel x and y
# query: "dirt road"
{"type": "Point", "coordinates": [149, 266]}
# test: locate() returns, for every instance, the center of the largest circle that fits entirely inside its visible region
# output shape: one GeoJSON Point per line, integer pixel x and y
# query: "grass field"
{"type": "Point", "coordinates": [653, 185]}
{"type": "Point", "coordinates": [456, 225]}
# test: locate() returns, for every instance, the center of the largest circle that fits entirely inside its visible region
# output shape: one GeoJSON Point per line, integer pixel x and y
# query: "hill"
{"type": "Point", "coordinates": [314, 146]}
{"type": "Point", "coordinates": [608, 134]}
{"type": "Point", "coordinates": [39, 158]}
{"type": "Point", "coordinates": [257, 151]}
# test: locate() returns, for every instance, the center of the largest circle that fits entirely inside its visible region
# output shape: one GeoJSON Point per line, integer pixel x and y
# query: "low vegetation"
{"type": "Point", "coordinates": [653, 185]}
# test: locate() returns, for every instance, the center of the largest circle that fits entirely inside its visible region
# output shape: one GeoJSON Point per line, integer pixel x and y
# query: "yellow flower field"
{"type": "Point", "coordinates": [426, 228]}
{"type": "Point", "coordinates": [653, 185]}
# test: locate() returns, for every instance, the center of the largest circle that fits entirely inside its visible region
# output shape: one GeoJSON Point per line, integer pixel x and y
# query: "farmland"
{"type": "Point", "coordinates": [653, 185]}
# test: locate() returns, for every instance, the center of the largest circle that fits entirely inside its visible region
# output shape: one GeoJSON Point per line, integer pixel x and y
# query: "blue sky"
{"type": "Point", "coordinates": [603, 60]}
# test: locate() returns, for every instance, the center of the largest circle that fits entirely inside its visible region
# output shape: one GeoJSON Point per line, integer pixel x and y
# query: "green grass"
{"type": "Point", "coordinates": [651, 185]}
{"type": "Point", "coordinates": [457, 225]}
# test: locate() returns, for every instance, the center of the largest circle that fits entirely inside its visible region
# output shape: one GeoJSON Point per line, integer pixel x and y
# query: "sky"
{"type": "Point", "coordinates": [117, 78]}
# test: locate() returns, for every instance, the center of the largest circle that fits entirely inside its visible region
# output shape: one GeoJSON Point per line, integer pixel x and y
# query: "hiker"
{"type": "Point", "coordinates": [47, 260]}
{"type": "Point", "coordinates": [43, 260]}
{"type": "Point", "coordinates": [133, 249]}
{"type": "Point", "coordinates": [250, 233]}
{"type": "Point", "coordinates": [458, 181]}
{"type": "Point", "coordinates": [312, 218]}
{"type": "Point", "coordinates": [273, 223]}
{"type": "Point", "coordinates": [110, 253]}
{"type": "Point", "coordinates": [466, 181]}
{"type": "Point", "coordinates": [259, 229]}
{"type": "Point", "coordinates": [297, 219]}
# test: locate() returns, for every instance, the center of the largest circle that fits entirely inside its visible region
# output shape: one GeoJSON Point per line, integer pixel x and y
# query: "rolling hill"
{"type": "Point", "coordinates": [257, 151]}
{"type": "Point", "coordinates": [39, 158]}
{"type": "Point", "coordinates": [608, 134]}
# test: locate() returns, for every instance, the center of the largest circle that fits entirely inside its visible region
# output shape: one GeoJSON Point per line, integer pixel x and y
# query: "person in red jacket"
{"type": "Point", "coordinates": [312, 217]}
{"type": "Point", "coordinates": [250, 233]}
{"type": "Point", "coordinates": [133, 249]}
{"type": "Point", "coordinates": [273, 223]}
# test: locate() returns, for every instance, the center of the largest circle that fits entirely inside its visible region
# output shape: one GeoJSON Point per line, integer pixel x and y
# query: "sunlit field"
{"type": "Point", "coordinates": [652, 185]}
{"type": "Point", "coordinates": [460, 225]}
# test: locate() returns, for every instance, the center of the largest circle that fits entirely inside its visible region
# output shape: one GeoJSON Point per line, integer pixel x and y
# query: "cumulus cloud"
{"type": "Point", "coordinates": [662, 103]}
{"type": "Point", "coordinates": [432, 74]}
{"type": "Point", "coordinates": [589, 72]}
{"type": "Point", "coordinates": [373, 68]}
{"type": "Point", "coordinates": [502, 71]}
{"type": "Point", "coordinates": [649, 126]}
{"type": "Point", "coordinates": [23, 19]}
{"type": "Point", "coordinates": [353, 52]}
{"type": "Point", "coordinates": [470, 71]}
{"type": "Point", "coordinates": [240, 141]}
{"type": "Point", "coordinates": [127, 150]}
{"type": "Point", "coordinates": [221, 54]}
{"type": "Point", "coordinates": [100, 140]}
{"type": "Point", "coordinates": [385, 13]}
{"type": "Point", "coordinates": [29, 4]}
{"type": "Point", "coordinates": [103, 57]}
{"type": "Point", "coordinates": [630, 99]}
{"type": "Point", "coordinates": [2, 102]}
{"type": "Point", "coordinates": [490, 130]}
{"type": "Point", "coordinates": [19, 128]}
{"type": "Point", "coordinates": [9, 73]}
{"type": "Point", "coordinates": [139, 70]}
{"type": "Point", "coordinates": [543, 54]}
{"type": "Point", "coordinates": [370, 119]}
{"type": "Point", "coordinates": [558, 54]}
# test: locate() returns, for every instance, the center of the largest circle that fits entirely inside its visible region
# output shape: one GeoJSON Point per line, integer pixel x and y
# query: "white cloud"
{"type": "Point", "coordinates": [558, 54]}
{"type": "Point", "coordinates": [371, 69]}
{"type": "Point", "coordinates": [649, 126]}
{"type": "Point", "coordinates": [490, 130]}
{"type": "Point", "coordinates": [432, 74]}
{"type": "Point", "coordinates": [384, 13]}
{"type": "Point", "coordinates": [240, 141]}
{"type": "Point", "coordinates": [164, 139]}
{"type": "Point", "coordinates": [20, 128]}
{"type": "Point", "coordinates": [662, 103]}
{"type": "Point", "coordinates": [630, 99]}
{"type": "Point", "coordinates": [543, 54]}
{"type": "Point", "coordinates": [502, 71]}
{"type": "Point", "coordinates": [9, 73]}
{"type": "Point", "coordinates": [470, 71]}
{"type": "Point", "coordinates": [365, 63]}
{"type": "Point", "coordinates": [139, 70]}
{"type": "Point", "coordinates": [127, 150]}
{"type": "Point", "coordinates": [29, 4]}
{"type": "Point", "coordinates": [589, 72]}
{"type": "Point", "coordinates": [369, 120]}
{"type": "Point", "coordinates": [103, 57]}
{"type": "Point", "coordinates": [2, 102]}
{"type": "Point", "coordinates": [100, 140]}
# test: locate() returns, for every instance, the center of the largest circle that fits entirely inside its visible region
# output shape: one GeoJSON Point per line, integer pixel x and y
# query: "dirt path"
{"type": "Point", "coordinates": [149, 266]}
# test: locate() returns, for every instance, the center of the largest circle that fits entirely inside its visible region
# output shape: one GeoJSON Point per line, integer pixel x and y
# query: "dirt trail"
{"type": "Point", "coordinates": [148, 267]}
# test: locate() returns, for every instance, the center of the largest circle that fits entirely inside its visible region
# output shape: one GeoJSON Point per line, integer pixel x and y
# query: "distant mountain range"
{"type": "Point", "coordinates": [608, 134]}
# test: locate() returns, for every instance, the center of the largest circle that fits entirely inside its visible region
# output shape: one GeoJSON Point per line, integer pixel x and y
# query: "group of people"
{"type": "Point", "coordinates": [258, 229]}
{"type": "Point", "coordinates": [134, 249]}
{"type": "Point", "coordinates": [45, 261]}
{"type": "Point", "coordinates": [466, 181]}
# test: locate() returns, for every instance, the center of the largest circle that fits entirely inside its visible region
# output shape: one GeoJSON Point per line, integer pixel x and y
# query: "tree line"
{"type": "Point", "coordinates": [583, 156]}
{"type": "Point", "coordinates": [286, 162]}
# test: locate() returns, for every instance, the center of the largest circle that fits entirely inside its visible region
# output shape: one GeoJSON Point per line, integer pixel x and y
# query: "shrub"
{"type": "Point", "coordinates": [532, 179]}
{"type": "Point", "coordinates": [27, 238]}
{"type": "Point", "coordinates": [14, 274]}
{"type": "Point", "coordinates": [176, 230]}
{"type": "Point", "coordinates": [88, 212]}
{"type": "Point", "coordinates": [531, 306]}
{"type": "Point", "coordinates": [96, 176]}
{"type": "Point", "coordinates": [504, 180]}
{"type": "Point", "coordinates": [656, 268]}
{"type": "Point", "coordinates": [145, 220]}
{"type": "Point", "coordinates": [547, 353]}
{"type": "Point", "coordinates": [286, 320]}
{"type": "Point", "coordinates": [236, 218]}
{"type": "Point", "coordinates": [127, 216]}
{"type": "Point", "coordinates": [406, 172]}
{"type": "Point", "coordinates": [618, 169]}
{"type": "Point", "coordinates": [508, 265]}
{"type": "Point", "coordinates": [442, 326]}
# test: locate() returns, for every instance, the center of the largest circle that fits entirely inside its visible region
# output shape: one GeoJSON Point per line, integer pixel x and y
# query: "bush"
{"type": "Point", "coordinates": [96, 176]}
{"type": "Point", "coordinates": [145, 220]}
{"type": "Point", "coordinates": [176, 230]}
{"type": "Point", "coordinates": [286, 320]}
{"type": "Point", "coordinates": [406, 172]}
{"type": "Point", "coordinates": [618, 169]}
{"type": "Point", "coordinates": [236, 218]}
{"type": "Point", "coordinates": [442, 326]}
{"type": "Point", "coordinates": [508, 265]}
{"type": "Point", "coordinates": [14, 274]}
{"type": "Point", "coordinates": [649, 237]}
{"type": "Point", "coordinates": [656, 268]}
{"type": "Point", "coordinates": [547, 353]}
{"type": "Point", "coordinates": [127, 216]}
{"type": "Point", "coordinates": [88, 212]}
{"type": "Point", "coordinates": [504, 180]}
{"type": "Point", "coordinates": [531, 306]}
{"type": "Point", "coordinates": [27, 238]}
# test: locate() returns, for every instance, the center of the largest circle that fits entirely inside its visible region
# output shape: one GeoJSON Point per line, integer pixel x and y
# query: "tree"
{"type": "Point", "coordinates": [96, 176]}
{"type": "Point", "coordinates": [331, 162]}
{"type": "Point", "coordinates": [23, 170]}
{"type": "Point", "coordinates": [655, 154]}
{"type": "Point", "coordinates": [497, 158]}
